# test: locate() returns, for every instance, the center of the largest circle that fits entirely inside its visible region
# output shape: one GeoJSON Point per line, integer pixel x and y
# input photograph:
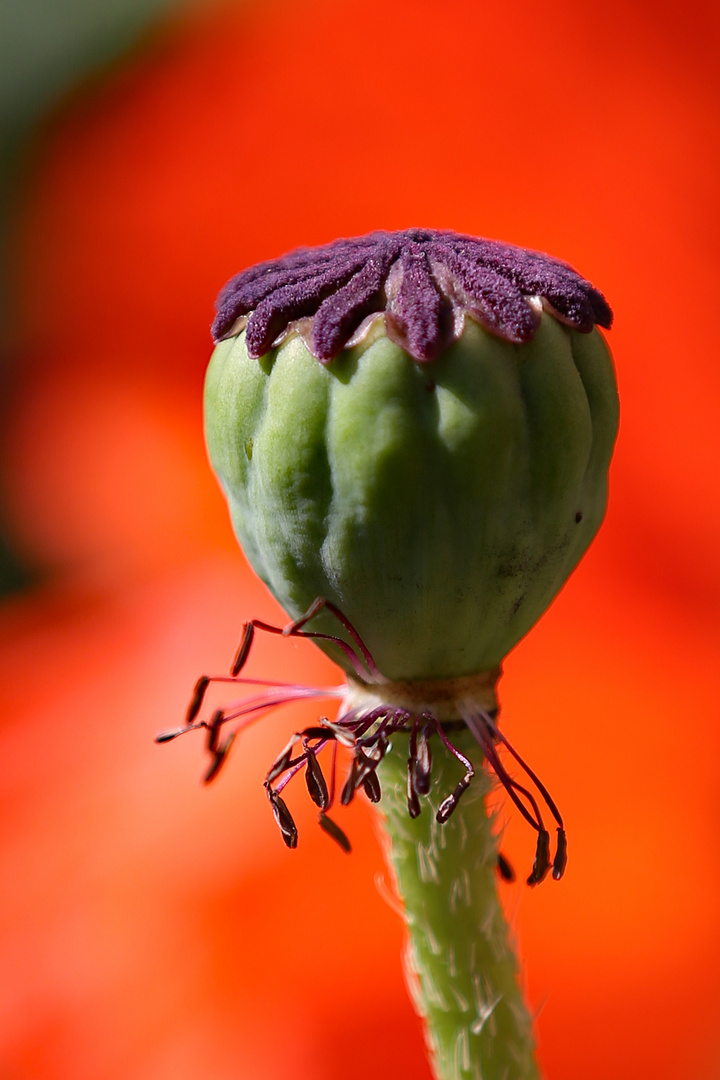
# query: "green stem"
{"type": "Point", "coordinates": [460, 963]}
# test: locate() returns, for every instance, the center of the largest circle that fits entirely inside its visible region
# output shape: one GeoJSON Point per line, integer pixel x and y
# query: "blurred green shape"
{"type": "Point", "coordinates": [47, 47]}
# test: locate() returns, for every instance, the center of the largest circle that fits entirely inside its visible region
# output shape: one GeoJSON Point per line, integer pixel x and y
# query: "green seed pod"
{"type": "Point", "coordinates": [413, 431]}
{"type": "Point", "coordinates": [439, 503]}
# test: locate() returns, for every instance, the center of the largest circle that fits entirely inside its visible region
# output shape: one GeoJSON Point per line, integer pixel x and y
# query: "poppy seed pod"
{"type": "Point", "coordinates": [413, 431]}
{"type": "Point", "coordinates": [417, 427]}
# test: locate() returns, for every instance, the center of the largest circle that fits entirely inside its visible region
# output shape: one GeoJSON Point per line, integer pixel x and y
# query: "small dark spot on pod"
{"type": "Point", "coordinates": [578, 517]}
{"type": "Point", "coordinates": [364, 763]}
{"type": "Point", "coordinates": [248, 449]}
{"type": "Point", "coordinates": [517, 604]}
{"type": "Point", "coordinates": [333, 830]}
{"type": "Point", "coordinates": [505, 870]}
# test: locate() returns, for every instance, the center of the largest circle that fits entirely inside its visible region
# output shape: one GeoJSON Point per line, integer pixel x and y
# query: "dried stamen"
{"type": "Point", "coordinates": [560, 860]}
{"type": "Point", "coordinates": [505, 870]}
{"type": "Point", "coordinates": [314, 779]}
{"type": "Point", "coordinates": [281, 762]}
{"type": "Point", "coordinates": [349, 787]}
{"type": "Point", "coordinates": [294, 629]}
{"type": "Point", "coordinates": [485, 730]}
{"type": "Point", "coordinates": [213, 731]}
{"type": "Point", "coordinates": [170, 734]}
{"type": "Point", "coordinates": [284, 818]}
{"type": "Point", "coordinates": [448, 805]}
{"type": "Point", "coordinates": [317, 605]}
{"type": "Point", "coordinates": [243, 648]}
{"type": "Point", "coordinates": [512, 787]}
{"type": "Point", "coordinates": [541, 866]}
{"type": "Point", "coordinates": [333, 774]}
{"type": "Point", "coordinates": [422, 762]}
{"type": "Point", "coordinates": [366, 733]}
{"type": "Point", "coordinates": [371, 787]}
{"type": "Point", "coordinates": [413, 803]}
{"type": "Point", "coordinates": [490, 723]}
{"type": "Point", "coordinates": [197, 698]}
{"type": "Point", "coordinates": [333, 830]}
{"type": "Point", "coordinates": [219, 758]}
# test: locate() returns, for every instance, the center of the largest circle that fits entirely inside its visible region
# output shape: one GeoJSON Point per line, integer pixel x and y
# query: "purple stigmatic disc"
{"type": "Point", "coordinates": [423, 281]}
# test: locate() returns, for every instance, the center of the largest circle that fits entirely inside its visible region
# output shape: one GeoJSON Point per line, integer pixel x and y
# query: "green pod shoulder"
{"type": "Point", "coordinates": [440, 506]}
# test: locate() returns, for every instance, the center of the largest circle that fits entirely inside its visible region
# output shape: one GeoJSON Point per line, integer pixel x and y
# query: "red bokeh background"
{"type": "Point", "coordinates": [155, 929]}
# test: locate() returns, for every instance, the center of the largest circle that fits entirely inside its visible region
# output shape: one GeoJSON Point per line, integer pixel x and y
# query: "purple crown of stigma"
{"type": "Point", "coordinates": [424, 282]}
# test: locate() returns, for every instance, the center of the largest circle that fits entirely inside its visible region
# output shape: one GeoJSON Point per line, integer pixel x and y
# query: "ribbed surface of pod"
{"type": "Point", "coordinates": [440, 506]}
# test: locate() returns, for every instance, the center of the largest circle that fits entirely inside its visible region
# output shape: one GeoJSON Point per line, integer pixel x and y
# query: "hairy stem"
{"type": "Point", "coordinates": [460, 964]}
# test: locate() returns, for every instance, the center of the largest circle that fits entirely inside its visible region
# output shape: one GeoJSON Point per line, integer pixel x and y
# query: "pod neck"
{"type": "Point", "coordinates": [444, 698]}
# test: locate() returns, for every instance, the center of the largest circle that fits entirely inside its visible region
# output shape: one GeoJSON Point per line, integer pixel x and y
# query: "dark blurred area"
{"type": "Point", "coordinates": [157, 929]}
{"type": "Point", "coordinates": [49, 50]}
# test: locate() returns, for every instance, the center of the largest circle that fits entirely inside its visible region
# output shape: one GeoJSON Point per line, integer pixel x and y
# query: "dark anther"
{"type": "Point", "coordinates": [373, 755]}
{"type": "Point", "coordinates": [317, 788]}
{"type": "Point", "coordinates": [213, 730]}
{"type": "Point", "coordinates": [371, 786]}
{"type": "Point", "coordinates": [447, 806]}
{"type": "Point", "coordinates": [197, 698]}
{"type": "Point", "coordinates": [422, 763]}
{"type": "Point", "coordinates": [578, 517]}
{"type": "Point", "coordinates": [333, 830]}
{"type": "Point", "coordinates": [488, 734]}
{"type": "Point", "coordinates": [281, 762]}
{"type": "Point", "coordinates": [541, 866]}
{"type": "Point", "coordinates": [505, 870]}
{"type": "Point", "coordinates": [350, 785]}
{"type": "Point", "coordinates": [333, 731]}
{"type": "Point", "coordinates": [366, 763]}
{"type": "Point", "coordinates": [560, 861]}
{"type": "Point", "coordinates": [168, 736]}
{"type": "Point", "coordinates": [412, 799]}
{"type": "Point", "coordinates": [318, 733]}
{"type": "Point", "coordinates": [284, 819]}
{"type": "Point", "coordinates": [219, 759]}
{"type": "Point", "coordinates": [243, 649]}
{"type": "Point", "coordinates": [381, 748]}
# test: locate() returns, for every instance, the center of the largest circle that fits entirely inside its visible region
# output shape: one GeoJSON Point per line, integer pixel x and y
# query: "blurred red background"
{"type": "Point", "coordinates": [155, 929]}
